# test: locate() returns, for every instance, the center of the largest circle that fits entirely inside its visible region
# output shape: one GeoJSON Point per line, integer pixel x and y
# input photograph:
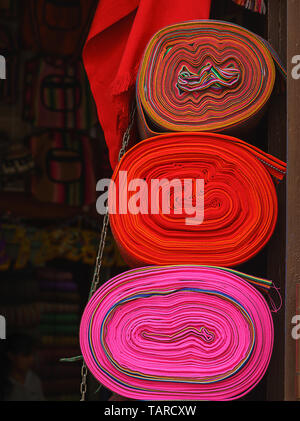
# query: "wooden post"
{"type": "Point", "coordinates": [293, 201]}
{"type": "Point", "coordinates": [277, 146]}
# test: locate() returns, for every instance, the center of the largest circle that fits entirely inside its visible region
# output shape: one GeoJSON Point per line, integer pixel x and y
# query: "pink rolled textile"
{"type": "Point", "coordinates": [178, 333]}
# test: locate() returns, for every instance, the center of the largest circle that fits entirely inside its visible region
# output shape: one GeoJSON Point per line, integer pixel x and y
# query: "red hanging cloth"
{"type": "Point", "coordinates": [119, 34]}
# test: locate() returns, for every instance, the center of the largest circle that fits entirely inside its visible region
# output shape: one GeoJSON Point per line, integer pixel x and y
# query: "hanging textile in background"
{"type": "Point", "coordinates": [3, 255]}
{"type": "Point", "coordinates": [240, 201]}
{"type": "Point", "coordinates": [19, 291]}
{"type": "Point", "coordinates": [186, 333]}
{"type": "Point", "coordinates": [9, 85]}
{"type": "Point", "coordinates": [57, 27]}
{"type": "Point", "coordinates": [21, 316]}
{"type": "Point", "coordinates": [258, 6]}
{"type": "Point", "coordinates": [9, 8]}
{"type": "Point", "coordinates": [25, 245]}
{"type": "Point", "coordinates": [203, 76]}
{"type": "Point", "coordinates": [58, 331]}
{"type": "Point", "coordinates": [65, 171]}
{"type": "Point", "coordinates": [15, 163]}
{"type": "Point", "coordinates": [117, 39]}
{"type": "Point", "coordinates": [57, 95]}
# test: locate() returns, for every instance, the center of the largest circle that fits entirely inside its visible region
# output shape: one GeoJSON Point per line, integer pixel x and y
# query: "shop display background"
{"type": "Point", "coordinates": [270, 135]}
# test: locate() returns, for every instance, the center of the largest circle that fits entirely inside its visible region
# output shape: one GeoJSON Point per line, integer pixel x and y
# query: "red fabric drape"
{"type": "Point", "coordinates": [119, 34]}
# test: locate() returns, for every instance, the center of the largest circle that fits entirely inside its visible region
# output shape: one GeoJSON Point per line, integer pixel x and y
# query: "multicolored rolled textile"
{"type": "Point", "coordinates": [177, 333]}
{"type": "Point", "coordinates": [239, 199]}
{"type": "Point", "coordinates": [203, 75]}
{"type": "Point", "coordinates": [254, 5]}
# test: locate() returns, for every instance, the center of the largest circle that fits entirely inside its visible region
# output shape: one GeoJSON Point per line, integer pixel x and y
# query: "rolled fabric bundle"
{"type": "Point", "coordinates": [186, 333]}
{"type": "Point", "coordinates": [55, 329]}
{"type": "Point", "coordinates": [258, 6]}
{"type": "Point", "coordinates": [60, 308]}
{"type": "Point", "coordinates": [239, 199]}
{"type": "Point", "coordinates": [203, 75]}
{"type": "Point", "coordinates": [59, 318]}
{"type": "Point", "coordinates": [59, 341]}
{"type": "Point", "coordinates": [60, 297]}
{"type": "Point", "coordinates": [46, 285]}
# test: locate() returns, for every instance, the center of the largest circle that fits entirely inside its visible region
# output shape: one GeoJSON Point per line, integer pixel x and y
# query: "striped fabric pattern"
{"type": "Point", "coordinates": [240, 200]}
{"type": "Point", "coordinates": [57, 95]}
{"type": "Point", "coordinates": [177, 332]}
{"type": "Point", "coordinates": [66, 173]}
{"type": "Point", "coordinates": [258, 6]}
{"type": "Point", "coordinates": [203, 76]}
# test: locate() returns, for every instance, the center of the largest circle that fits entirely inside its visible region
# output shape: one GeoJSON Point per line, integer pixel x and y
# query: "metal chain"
{"type": "Point", "coordinates": [96, 276]}
{"type": "Point", "coordinates": [127, 133]}
{"type": "Point", "coordinates": [83, 384]}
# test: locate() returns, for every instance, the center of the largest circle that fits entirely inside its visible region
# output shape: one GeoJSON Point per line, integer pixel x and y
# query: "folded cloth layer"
{"type": "Point", "coordinates": [185, 332]}
{"type": "Point", "coordinates": [119, 34]}
{"type": "Point", "coordinates": [203, 76]}
{"type": "Point", "coordinates": [238, 197]}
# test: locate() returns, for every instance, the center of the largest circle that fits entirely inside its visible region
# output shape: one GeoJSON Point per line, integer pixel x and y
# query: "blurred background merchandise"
{"type": "Point", "coordinates": [52, 152]}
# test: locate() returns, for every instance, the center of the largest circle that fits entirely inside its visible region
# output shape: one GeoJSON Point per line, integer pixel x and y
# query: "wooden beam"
{"type": "Point", "coordinates": [277, 146]}
{"type": "Point", "coordinates": [293, 201]}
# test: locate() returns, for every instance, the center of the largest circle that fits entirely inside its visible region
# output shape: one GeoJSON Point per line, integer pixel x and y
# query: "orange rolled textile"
{"type": "Point", "coordinates": [204, 75]}
{"type": "Point", "coordinates": [237, 193]}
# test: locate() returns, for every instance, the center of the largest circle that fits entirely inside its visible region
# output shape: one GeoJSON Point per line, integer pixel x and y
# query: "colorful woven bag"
{"type": "Point", "coordinates": [57, 95]}
{"type": "Point", "coordinates": [65, 172]}
{"type": "Point", "coordinates": [57, 27]}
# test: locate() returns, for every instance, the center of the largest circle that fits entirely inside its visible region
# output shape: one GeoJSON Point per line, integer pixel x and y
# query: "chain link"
{"type": "Point", "coordinates": [127, 133]}
{"type": "Point", "coordinates": [83, 384]}
{"type": "Point", "coordinates": [96, 276]}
